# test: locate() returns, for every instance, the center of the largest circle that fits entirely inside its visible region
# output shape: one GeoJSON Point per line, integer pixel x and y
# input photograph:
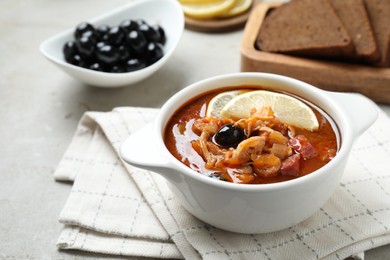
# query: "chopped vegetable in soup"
{"type": "Point", "coordinates": [257, 149]}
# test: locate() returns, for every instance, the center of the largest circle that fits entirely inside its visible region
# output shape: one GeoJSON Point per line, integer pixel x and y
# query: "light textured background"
{"type": "Point", "coordinates": [40, 107]}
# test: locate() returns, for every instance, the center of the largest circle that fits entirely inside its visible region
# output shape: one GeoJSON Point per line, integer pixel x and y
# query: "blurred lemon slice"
{"type": "Point", "coordinates": [205, 10]}
{"type": "Point", "coordinates": [240, 7]}
{"type": "Point", "coordinates": [219, 101]}
{"type": "Point", "coordinates": [288, 109]}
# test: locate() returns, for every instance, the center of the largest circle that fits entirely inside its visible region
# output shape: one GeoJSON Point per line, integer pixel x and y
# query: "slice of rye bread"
{"type": "Point", "coordinates": [354, 16]}
{"type": "Point", "coordinates": [379, 14]}
{"type": "Point", "coordinates": [305, 28]}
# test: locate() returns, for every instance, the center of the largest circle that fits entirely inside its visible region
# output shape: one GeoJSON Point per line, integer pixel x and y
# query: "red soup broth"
{"type": "Point", "coordinates": [181, 137]}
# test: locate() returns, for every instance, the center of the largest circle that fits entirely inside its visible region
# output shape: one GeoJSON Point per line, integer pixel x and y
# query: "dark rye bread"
{"type": "Point", "coordinates": [379, 14]}
{"type": "Point", "coordinates": [307, 28]}
{"type": "Point", "coordinates": [353, 15]}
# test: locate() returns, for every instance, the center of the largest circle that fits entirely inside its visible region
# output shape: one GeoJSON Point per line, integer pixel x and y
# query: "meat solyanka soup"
{"type": "Point", "coordinates": [251, 136]}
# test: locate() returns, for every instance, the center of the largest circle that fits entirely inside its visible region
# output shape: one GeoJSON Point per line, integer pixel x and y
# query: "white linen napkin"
{"type": "Point", "coordinates": [118, 209]}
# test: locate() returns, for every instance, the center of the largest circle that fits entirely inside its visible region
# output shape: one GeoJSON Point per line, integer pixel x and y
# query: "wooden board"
{"type": "Point", "coordinates": [335, 76]}
{"type": "Point", "coordinates": [219, 25]}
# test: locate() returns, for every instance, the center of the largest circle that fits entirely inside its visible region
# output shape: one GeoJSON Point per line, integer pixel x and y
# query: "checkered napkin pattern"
{"type": "Point", "coordinates": [117, 209]}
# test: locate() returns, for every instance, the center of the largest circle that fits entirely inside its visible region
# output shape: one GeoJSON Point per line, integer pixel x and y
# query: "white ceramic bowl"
{"type": "Point", "coordinates": [251, 208]}
{"type": "Point", "coordinates": [167, 13]}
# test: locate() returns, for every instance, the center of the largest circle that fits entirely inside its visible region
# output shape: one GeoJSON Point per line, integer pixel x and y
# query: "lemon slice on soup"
{"type": "Point", "coordinates": [288, 109]}
{"type": "Point", "coordinates": [219, 101]}
{"type": "Point", "coordinates": [205, 10]}
{"type": "Point", "coordinates": [240, 7]}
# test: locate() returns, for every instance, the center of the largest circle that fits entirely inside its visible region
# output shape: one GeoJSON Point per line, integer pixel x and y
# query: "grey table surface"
{"type": "Point", "coordinates": [40, 107]}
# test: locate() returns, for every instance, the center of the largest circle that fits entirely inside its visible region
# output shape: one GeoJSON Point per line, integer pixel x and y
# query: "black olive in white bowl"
{"type": "Point", "coordinates": [121, 47]}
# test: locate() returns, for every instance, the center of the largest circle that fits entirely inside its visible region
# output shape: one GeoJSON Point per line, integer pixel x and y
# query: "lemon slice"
{"type": "Point", "coordinates": [240, 7]}
{"type": "Point", "coordinates": [219, 101]}
{"type": "Point", "coordinates": [207, 10]}
{"type": "Point", "coordinates": [288, 109]}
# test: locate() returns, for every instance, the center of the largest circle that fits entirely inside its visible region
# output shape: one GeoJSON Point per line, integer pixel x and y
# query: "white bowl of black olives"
{"type": "Point", "coordinates": [121, 47]}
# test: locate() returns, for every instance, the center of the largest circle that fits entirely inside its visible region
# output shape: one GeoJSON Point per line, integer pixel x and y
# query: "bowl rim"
{"type": "Point", "coordinates": [180, 19]}
{"type": "Point", "coordinates": [346, 135]}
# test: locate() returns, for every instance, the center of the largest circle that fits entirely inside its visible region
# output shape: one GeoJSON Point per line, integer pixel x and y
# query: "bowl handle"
{"type": "Point", "coordinates": [141, 150]}
{"type": "Point", "coordinates": [361, 111]}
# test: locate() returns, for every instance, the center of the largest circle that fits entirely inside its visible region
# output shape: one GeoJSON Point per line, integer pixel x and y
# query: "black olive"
{"type": "Point", "coordinates": [100, 44]}
{"type": "Point", "coordinates": [96, 66]}
{"type": "Point", "coordinates": [118, 69]}
{"type": "Point", "coordinates": [91, 34]}
{"type": "Point", "coordinates": [161, 33]}
{"type": "Point", "coordinates": [149, 33]}
{"type": "Point", "coordinates": [82, 28]}
{"type": "Point", "coordinates": [77, 60]}
{"type": "Point", "coordinates": [69, 50]}
{"type": "Point", "coordinates": [102, 30]}
{"type": "Point", "coordinates": [154, 52]}
{"type": "Point", "coordinates": [135, 64]}
{"type": "Point", "coordinates": [124, 53]}
{"type": "Point", "coordinates": [86, 45]}
{"type": "Point", "coordinates": [107, 54]}
{"type": "Point", "coordinates": [114, 36]}
{"type": "Point", "coordinates": [137, 42]}
{"type": "Point", "coordinates": [128, 25]}
{"type": "Point", "coordinates": [229, 135]}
